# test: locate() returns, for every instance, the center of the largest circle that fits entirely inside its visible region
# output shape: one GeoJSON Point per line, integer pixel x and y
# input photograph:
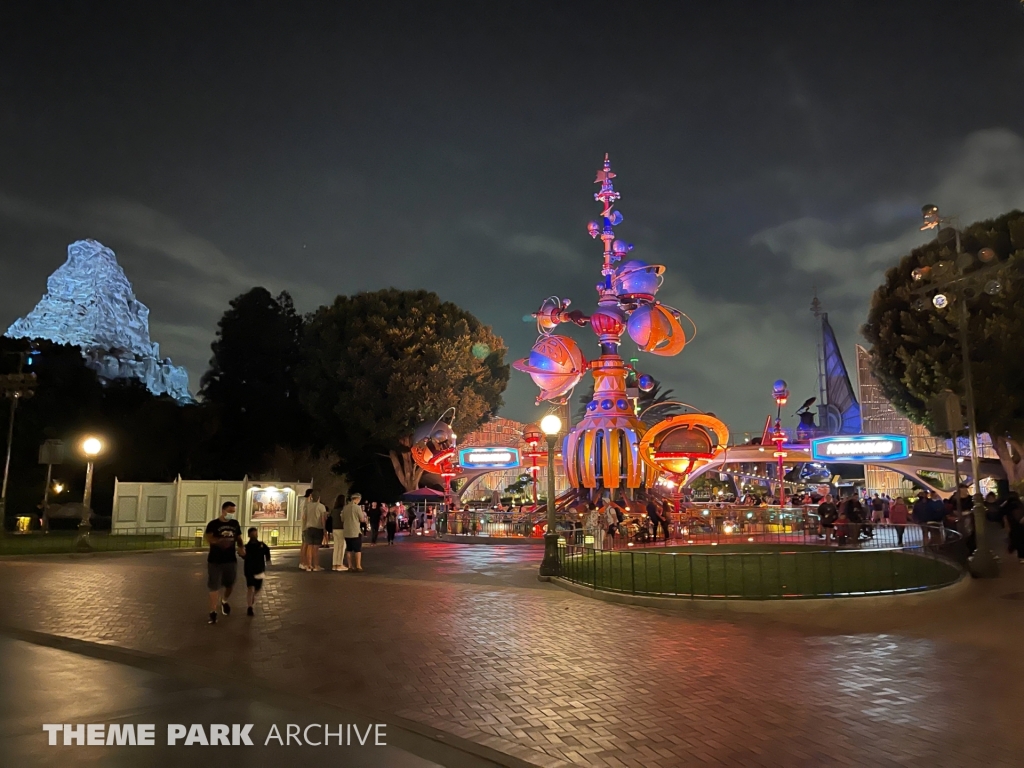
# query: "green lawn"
{"type": "Point", "coordinates": [756, 571]}
{"type": "Point", "coordinates": [65, 541]}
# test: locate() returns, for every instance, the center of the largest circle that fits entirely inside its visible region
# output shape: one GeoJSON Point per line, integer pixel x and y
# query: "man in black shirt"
{"type": "Point", "coordinates": [224, 535]}
{"type": "Point", "coordinates": [828, 513]}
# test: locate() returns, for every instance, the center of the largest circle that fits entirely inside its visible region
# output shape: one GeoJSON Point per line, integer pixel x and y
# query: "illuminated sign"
{"type": "Point", "coordinates": [489, 457]}
{"type": "Point", "coordinates": [860, 448]}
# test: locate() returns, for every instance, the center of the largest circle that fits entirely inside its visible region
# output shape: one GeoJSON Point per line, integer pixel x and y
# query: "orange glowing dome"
{"type": "Point", "coordinates": [684, 442]}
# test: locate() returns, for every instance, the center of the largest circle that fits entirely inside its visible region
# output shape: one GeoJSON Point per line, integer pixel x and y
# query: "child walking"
{"type": "Point", "coordinates": [257, 555]}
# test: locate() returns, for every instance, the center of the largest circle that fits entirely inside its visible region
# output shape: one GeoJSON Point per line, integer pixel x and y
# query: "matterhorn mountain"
{"type": "Point", "coordinates": [90, 303]}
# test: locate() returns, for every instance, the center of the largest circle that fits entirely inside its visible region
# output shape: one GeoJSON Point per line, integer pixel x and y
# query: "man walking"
{"type": "Point", "coordinates": [314, 515]}
{"type": "Point", "coordinates": [224, 535]}
{"type": "Point", "coordinates": [374, 515]}
{"type": "Point", "coordinates": [352, 518]}
{"type": "Point", "coordinates": [338, 563]}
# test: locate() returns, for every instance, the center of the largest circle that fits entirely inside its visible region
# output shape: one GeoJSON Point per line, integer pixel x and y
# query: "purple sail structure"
{"type": "Point", "coordinates": [842, 407]}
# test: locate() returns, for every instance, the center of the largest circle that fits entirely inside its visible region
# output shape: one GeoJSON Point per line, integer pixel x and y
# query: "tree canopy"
{"type": "Point", "coordinates": [250, 386]}
{"type": "Point", "coordinates": [915, 349]}
{"type": "Point", "coordinates": [376, 365]}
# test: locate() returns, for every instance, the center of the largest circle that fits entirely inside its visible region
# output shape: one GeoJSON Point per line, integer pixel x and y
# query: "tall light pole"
{"type": "Point", "coordinates": [91, 447]}
{"type": "Point", "coordinates": [551, 425]}
{"type": "Point", "coordinates": [16, 386]}
{"type": "Point", "coordinates": [953, 284]}
{"type": "Point", "coordinates": [780, 392]}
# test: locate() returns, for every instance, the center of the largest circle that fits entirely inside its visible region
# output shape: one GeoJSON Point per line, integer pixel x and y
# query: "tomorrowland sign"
{"type": "Point", "coordinates": [858, 448]}
{"type": "Point", "coordinates": [489, 457]}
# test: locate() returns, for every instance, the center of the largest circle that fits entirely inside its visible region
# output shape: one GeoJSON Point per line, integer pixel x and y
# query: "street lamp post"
{"type": "Point", "coordinates": [551, 425]}
{"type": "Point", "coordinates": [16, 386]}
{"type": "Point", "coordinates": [91, 447]}
{"type": "Point", "coordinates": [780, 393]}
{"type": "Point", "coordinates": [952, 281]}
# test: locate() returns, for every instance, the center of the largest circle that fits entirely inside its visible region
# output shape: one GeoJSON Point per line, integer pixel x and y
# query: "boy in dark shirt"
{"type": "Point", "coordinates": [257, 554]}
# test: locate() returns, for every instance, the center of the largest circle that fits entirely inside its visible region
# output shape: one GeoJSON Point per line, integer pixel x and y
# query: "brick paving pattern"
{"type": "Point", "coordinates": [462, 638]}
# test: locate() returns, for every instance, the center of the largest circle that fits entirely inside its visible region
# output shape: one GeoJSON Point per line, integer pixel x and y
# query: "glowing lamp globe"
{"type": "Point", "coordinates": [92, 446]}
{"type": "Point", "coordinates": [551, 424]}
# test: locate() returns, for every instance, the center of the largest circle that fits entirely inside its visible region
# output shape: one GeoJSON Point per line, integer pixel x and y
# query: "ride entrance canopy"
{"type": "Point", "coordinates": [608, 449]}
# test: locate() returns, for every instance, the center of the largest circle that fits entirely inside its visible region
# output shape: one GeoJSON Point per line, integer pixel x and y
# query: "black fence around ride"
{"type": "Point", "coordinates": [757, 525]}
{"type": "Point", "coordinates": [777, 571]}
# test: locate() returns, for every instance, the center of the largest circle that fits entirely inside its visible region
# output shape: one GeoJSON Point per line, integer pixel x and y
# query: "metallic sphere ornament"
{"type": "Point", "coordinates": [986, 255]}
{"type": "Point", "coordinates": [555, 364]}
{"type": "Point", "coordinates": [992, 287]}
{"type": "Point", "coordinates": [655, 329]}
{"type": "Point", "coordinates": [593, 229]}
{"type": "Point", "coordinates": [645, 382]}
{"type": "Point", "coordinates": [637, 280]}
{"type": "Point", "coordinates": [780, 391]}
{"type": "Point", "coordinates": [620, 248]}
{"type": "Point", "coordinates": [940, 300]}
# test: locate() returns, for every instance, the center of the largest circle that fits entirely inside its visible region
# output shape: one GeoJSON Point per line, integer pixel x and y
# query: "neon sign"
{"type": "Point", "coordinates": [860, 448]}
{"type": "Point", "coordinates": [489, 457]}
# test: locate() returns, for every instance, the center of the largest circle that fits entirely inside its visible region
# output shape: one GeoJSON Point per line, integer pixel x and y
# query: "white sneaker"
{"type": "Point", "coordinates": [342, 567]}
{"type": "Point", "coordinates": [304, 567]}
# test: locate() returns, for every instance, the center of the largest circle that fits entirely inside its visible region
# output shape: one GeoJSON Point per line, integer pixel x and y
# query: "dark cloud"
{"type": "Point", "coordinates": [763, 150]}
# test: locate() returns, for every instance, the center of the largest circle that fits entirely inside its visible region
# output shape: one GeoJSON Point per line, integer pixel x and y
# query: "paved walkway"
{"type": "Point", "coordinates": [464, 640]}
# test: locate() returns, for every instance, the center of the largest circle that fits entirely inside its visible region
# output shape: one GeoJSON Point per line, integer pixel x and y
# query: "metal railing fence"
{"type": "Point", "coordinates": [733, 573]}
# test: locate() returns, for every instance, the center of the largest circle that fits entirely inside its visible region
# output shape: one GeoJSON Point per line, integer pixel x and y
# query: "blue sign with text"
{"type": "Point", "coordinates": [860, 448]}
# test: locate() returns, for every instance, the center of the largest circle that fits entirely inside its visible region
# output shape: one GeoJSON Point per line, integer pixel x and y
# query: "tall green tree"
{"type": "Point", "coordinates": [376, 365]}
{"type": "Point", "coordinates": [251, 384]}
{"type": "Point", "coordinates": [915, 349]}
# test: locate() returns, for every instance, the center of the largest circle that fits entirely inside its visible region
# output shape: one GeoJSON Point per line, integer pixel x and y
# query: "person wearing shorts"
{"type": "Point", "coordinates": [224, 535]}
{"type": "Point", "coordinates": [352, 518]}
{"type": "Point", "coordinates": [257, 555]}
{"type": "Point", "coordinates": [314, 515]}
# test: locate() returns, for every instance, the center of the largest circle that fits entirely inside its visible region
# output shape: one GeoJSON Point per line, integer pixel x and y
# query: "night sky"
{"type": "Point", "coordinates": [762, 149]}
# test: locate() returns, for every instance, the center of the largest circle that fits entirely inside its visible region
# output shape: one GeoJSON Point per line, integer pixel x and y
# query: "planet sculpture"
{"type": "Point", "coordinates": [603, 451]}
{"type": "Point", "coordinates": [555, 364]}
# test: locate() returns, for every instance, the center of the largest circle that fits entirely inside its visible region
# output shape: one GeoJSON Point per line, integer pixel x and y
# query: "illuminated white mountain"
{"type": "Point", "coordinates": [90, 303]}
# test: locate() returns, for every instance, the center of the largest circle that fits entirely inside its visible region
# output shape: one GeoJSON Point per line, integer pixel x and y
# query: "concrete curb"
{"type": "Point", "coordinates": [792, 605]}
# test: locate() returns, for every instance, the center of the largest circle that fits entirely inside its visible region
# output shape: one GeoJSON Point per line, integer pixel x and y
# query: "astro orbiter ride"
{"type": "Point", "coordinates": [604, 450]}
